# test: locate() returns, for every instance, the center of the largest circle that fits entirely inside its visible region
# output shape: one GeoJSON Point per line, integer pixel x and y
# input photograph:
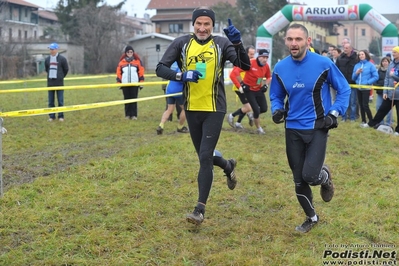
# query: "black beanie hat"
{"type": "Point", "coordinates": [128, 48]}
{"type": "Point", "coordinates": [263, 52]}
{"type": "Point", "coordinates": [203, 12]}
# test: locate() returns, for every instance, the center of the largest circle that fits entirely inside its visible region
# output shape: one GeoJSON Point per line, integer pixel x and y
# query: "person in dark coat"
{"type": "Point", "coordinates": [345, 63]}
{"type": "Point", "coordinates": [57, 68]}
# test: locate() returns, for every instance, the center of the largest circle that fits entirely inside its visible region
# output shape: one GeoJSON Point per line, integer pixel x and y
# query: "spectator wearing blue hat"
{"type": "Point", "coordinates": [57, 68]}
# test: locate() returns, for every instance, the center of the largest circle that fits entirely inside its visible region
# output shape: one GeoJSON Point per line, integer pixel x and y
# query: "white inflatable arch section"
{"type": "Point", "coordinates": [365, 12]}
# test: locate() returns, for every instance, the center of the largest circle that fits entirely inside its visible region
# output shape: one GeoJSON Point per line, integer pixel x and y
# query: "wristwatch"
{"type": "Point", "coordinates": [178, 76]}
{"type": "Point", "coordinates": [334, 113]}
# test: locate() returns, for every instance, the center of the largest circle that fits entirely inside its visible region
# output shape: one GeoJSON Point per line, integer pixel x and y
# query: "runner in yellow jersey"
{"type": "Point", "coordinates": [201, 58]}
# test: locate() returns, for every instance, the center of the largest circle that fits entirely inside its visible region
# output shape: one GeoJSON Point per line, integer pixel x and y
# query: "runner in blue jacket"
{"type": "Point", "coordinates": [300, 97]}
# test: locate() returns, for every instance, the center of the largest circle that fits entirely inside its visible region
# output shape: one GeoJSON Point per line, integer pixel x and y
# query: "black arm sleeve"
{"type": "Point", "coordinates": [165, 72]}
{"type": "Point", "coordinates": [65, 66]}
{"type": "Point", "coordinates": [242, 60]}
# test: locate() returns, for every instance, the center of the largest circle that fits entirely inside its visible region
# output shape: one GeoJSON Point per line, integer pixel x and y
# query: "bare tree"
{"type": "Point", "coordinates": [98, 32]}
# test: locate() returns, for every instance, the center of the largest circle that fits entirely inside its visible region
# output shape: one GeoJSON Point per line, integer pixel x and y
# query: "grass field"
{"type": "Point", "coordinates": [98, 189]}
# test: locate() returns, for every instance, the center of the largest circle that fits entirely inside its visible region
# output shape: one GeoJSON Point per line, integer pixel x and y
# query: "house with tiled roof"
{"type": "Point", "coordinates": [361, 33]}
{"type": "Point", "coordinates": [19, 20]}
{"type": "Point", "coordinates": [22, 21]}
{"type": "Point", "coordinates": [24, 25]}
{"type": "Point", "coordinates": [173, 17]}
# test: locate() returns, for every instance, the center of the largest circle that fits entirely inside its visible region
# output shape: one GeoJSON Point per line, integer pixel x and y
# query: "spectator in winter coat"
{"type": "Point", "coordinates": [345, 63]}
{"type": "Point", "coordinates": [382, 71]}
{"type": "Point", "coordinates": [364, 73]}
{"type": "Point", "coordinates": [391, 97]}
{"type": "Point", "coordinates": [57, 68]}
{"type": "Point", "coordinates": [130, 70]}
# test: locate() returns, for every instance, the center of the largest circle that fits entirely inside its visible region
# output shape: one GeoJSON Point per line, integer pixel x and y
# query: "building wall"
{"type": "Point", "coordinates": [18, 23]}
{"type": "Point", "coordinates": [359, 32]}
{"type": "Point", "coordinates": [146, 50]}
{"type": "Point", "coordinates": [164, 28]}
{"type": "Point", "coordinates": [148, 28]}
{"type": "Point", "coordinates": [12, 31]}
{"type": "Point", "coordinates": [75, 57]}
{"type": "Point", "coordinates": [73, 53]}
{"type": "Point", "coordinates": [20, 13]}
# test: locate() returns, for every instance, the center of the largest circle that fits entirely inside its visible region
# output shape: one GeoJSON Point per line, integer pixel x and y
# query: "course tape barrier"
{"type": "Point", "coordinates": [357, 86]}
{"type": "Point", "coordinates": [33, 112]}
{"type": "Point", "coordinates": [67, 78]}
{"type": "Point", "coordinates": [77, 87]}
{"type": "Point", "coordinates": [105, 86]}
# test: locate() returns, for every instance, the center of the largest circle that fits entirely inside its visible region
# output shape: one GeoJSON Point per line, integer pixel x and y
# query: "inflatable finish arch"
{"type": "Point", "coordinates": [365, 12]}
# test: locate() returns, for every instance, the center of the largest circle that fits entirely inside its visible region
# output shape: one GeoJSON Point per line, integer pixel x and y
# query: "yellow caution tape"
{"type": "Point", "coordinates": [32, 112]}
{"type": "Point", "coordinates": [67, 78]}
{"type": "Point", "coordinates": [76, 87]}
{"type": "Point", "coordinates": [357, 86]}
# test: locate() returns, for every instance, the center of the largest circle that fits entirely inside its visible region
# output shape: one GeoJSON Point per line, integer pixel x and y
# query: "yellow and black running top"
{"type": "Point", "coordinates": [208, 57]}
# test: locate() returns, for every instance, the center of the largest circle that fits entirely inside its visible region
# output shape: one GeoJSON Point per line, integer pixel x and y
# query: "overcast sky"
{"type": "Point", "coordinates": [139, 6]}
{"type": "Point", "coordinates": [131, 6]}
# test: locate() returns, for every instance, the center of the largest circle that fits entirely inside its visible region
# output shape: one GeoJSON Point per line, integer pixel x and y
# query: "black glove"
{"type": "Point", "coordinates": [232, 33]}
{"type": "Point", "coordinates": [244, 86]}
{"type": "Point", "coordinates": [140, 87]}
{"type": "Point", "coordinates": [279, 116]}
{"type": "Point", "coordinates": [330, 121]}
{"type": "Point", "coordinates": [264, 88]}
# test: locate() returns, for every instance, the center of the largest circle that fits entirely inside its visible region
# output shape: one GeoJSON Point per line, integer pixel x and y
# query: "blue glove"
{"type": "Point", "coordinates": [191, 76]}
{"type": "Point", "coordinates": [232, 33]}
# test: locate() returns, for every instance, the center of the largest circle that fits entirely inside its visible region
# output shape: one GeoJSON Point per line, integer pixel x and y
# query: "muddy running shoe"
{"type": "Point", "coordinates": [307, 225]}
{"type": "Point", "coordinates": [230, 120]}
{"type": "Point", "coordinates": [251, 119]}
{"type": "Point", "coordinates": [239, 125]}
{"type": "Point", "coordinates": [159, 130]}
{"type": "Point", "coordinates": [196, 217]}
{"type": "Point", "coordinates": [231, 177]}
{"type": "Point", "coordinates": [183, 130]}
{"type": "Point", "coordinates": [260, 131]}
{"type": "Point", "coordinates": [327, 189]}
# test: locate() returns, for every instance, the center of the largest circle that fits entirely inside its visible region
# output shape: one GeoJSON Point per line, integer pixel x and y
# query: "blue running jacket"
{"type": "Point", "coordinates": [303, 89]}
